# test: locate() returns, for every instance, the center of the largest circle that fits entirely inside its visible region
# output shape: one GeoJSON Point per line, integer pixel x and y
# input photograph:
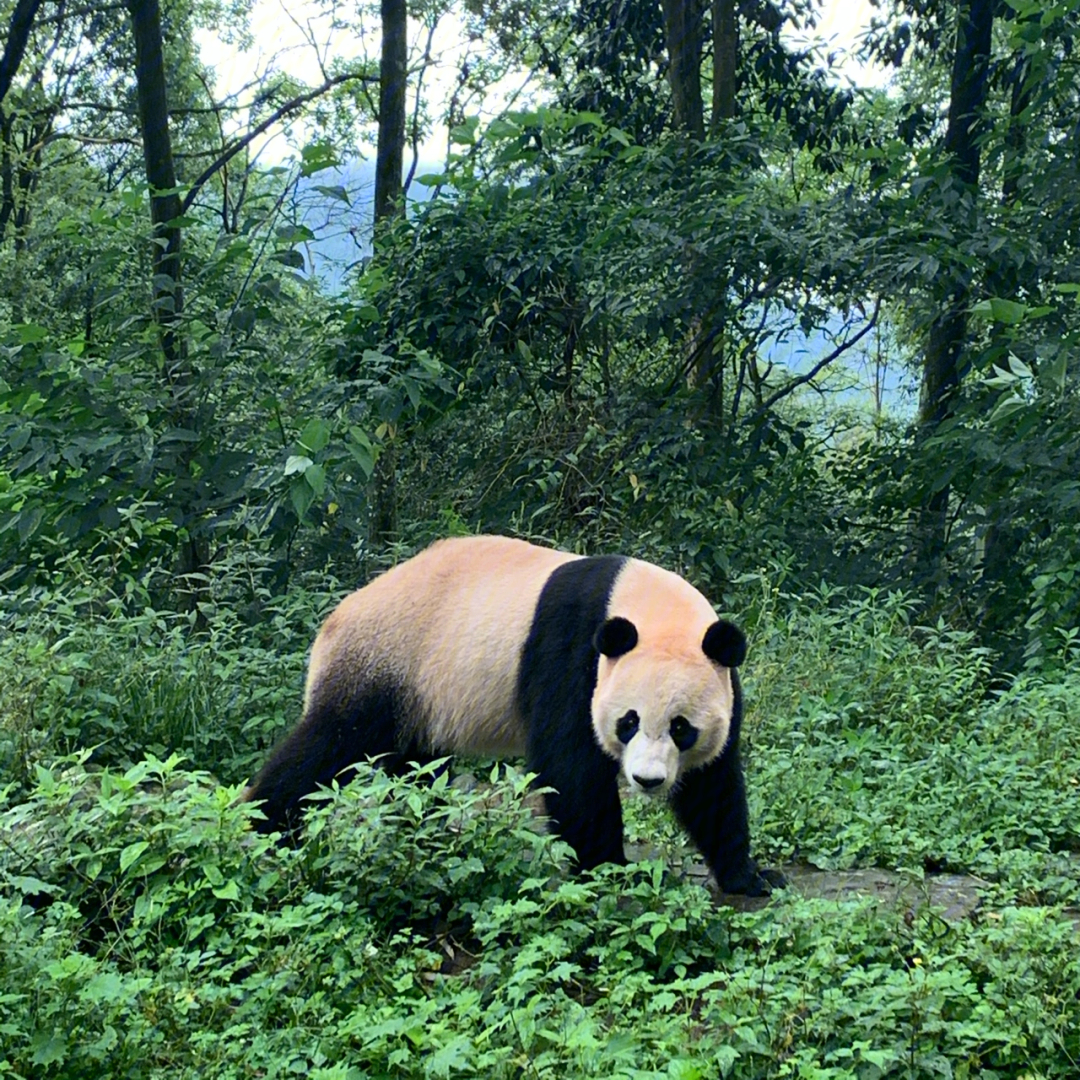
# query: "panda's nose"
{"type": "Point", "coordinates": [647, 783]}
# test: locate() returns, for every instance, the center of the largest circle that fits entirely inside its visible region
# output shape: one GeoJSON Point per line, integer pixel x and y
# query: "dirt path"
{"type": "Point", "coordinates": [957, 895]}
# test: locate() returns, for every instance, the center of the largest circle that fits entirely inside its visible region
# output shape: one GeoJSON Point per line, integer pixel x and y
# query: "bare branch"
{"type": "Point", "coordinates": [802, 380]}
{"type": "Point", "coordinates": [269, 122]}
{"type": "Point", "coordinates": [414, 135]}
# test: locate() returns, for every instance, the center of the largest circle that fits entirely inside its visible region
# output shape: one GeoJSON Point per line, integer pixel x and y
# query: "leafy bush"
{"type": "Point", "coordinates": [85, 669]}
{"type": "Point", "coordinates": [876, 741]}
{"type": "Point", "coordinates": [148, 932]}
{"type": "Point", "coordinates": [419, 929]}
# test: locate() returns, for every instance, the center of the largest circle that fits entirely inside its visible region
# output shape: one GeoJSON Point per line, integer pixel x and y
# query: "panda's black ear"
{"type": "Point", "coordinates": [616, 637]}
{"type": "Point", "coordinates": [725, 643]}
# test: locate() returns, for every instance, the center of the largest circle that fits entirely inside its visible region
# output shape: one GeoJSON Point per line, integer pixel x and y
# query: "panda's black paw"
{"type": "Point", "coordinates": [752, 881]}
{"type": "Point", "coordinates": [774, 879]}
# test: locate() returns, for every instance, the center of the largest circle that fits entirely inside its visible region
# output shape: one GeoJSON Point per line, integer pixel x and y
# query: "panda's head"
{"type": "Point", "coordinates": [663, 705]}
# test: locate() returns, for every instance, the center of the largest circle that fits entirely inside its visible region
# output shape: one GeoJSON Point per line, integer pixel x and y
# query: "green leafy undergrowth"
{"type": "Point", "coordinates": [78, 672]}
{"type": "Point", "coordinates": [423, 931]}
{"type": "Point", "coordinates": [873, 741]}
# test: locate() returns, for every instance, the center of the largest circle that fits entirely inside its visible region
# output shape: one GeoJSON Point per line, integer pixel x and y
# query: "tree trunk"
{"type": "Point", "coordinates": [710, 348]}
{"type": "Point", "coordinates": [389, 202]}
{"type": "Point", "coordinates": [393, 72]}
{"type": "Point", "coordinates": [165, 207]}
{"type": "Point", "coordinates": [725, 61]}
{"type": "Point", "coordinates": [18, 167]}
{"type": "Point", "coordinates": [683, 34]}
{"type": "Point", "coordinates": [166, 287]}
{"type": "Point", "coordinates": [948, 333]}
{"type": "Point", "coordinates": [22, 22]}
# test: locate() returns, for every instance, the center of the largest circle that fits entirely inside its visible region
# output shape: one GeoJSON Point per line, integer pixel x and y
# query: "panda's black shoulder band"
{"type": "Point", "coordinates": [725, 644]}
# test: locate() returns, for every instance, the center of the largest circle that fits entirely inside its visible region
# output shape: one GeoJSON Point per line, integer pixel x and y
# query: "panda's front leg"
{"type": "Point", "coordinates": [584, 802]}
{"type": "Point", "coordinates": [710, 802]}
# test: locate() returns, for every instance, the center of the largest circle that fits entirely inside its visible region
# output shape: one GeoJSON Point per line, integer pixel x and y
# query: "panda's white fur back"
{"type": "Point", "coordinates": [462, 609]}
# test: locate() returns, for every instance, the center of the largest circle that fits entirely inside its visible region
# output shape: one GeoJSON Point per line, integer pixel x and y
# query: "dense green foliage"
{"type": "Point", "coordinates": [622, 320]}
{"type": "Point", "coordinates": [428, 929]}
{"type": "Point", "coordinates": [597, 330]}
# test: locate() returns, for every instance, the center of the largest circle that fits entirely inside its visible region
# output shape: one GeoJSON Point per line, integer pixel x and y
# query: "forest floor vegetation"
{"type": "Point", "coordinates": [430, 929]}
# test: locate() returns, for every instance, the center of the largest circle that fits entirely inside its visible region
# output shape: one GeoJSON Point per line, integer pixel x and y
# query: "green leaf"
{"type": "Point", "coordinates": [317, 156]}
{"type": "Point", "coordinates": [315, 436]}
{"type": "Point", "coordinates": [297, 463]}
{"type": "Point", "coordinates": [183, 221]}
{"type": "Point", "coordinates": [1053, 371]}
{"type": "Point", "coordinates": [291, 258]}
{"type": "Point", "coordinates": [302, 496]}
{"type": "Point", "coordinates": [106, 986]}
{"type": "Point", "coordinates": [130, 854]}
{"type": "Point", "coordinates": [502, 128]}
{"type": "Point", "coordinates": [1000, 310]}
{"type": "Point", "coordinates": [228, 891]}
{"type": "Point", "coordinates": [28, 522]}
{"type": "Point", "coordinates": [362, 451]}
{"type": "Point", "coordinates": [1019, 368]}
{"type": "Point", "coordinates": [334, 191]}
{"type": "Point", "coordinates": [315, 476]}
{"type": "Point", "coordinates": [47, 1049]}
{"type": "Point", "coordinates": [1007, 406]}
{"type": "Point", "coordinates": [29, 333]}
{"type": "Point", "coordinates": [464, 134]}
{"type": "Point", "coordinates": [243, 319]}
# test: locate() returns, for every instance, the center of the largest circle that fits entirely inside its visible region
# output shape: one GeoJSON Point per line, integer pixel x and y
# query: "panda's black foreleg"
{"type": "Point", "coordinates": [584, 804]}
{"type": "Point", "coordinates": [710, 802]}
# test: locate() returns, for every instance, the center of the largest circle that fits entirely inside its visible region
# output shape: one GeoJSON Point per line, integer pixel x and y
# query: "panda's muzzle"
{"type": "Point", "coordinates": [648, 783]}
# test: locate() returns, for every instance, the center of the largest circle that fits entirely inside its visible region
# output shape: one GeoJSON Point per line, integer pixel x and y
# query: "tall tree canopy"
{"type": "Point", "coordinates": [685, 286]}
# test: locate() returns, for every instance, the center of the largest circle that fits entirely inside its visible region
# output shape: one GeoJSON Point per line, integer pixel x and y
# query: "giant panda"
{"type": "Point", "coordinates": [491, 646]}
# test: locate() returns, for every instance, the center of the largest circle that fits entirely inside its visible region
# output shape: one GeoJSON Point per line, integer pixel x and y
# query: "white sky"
{"type": "Point", "coordinates": [279, 28]}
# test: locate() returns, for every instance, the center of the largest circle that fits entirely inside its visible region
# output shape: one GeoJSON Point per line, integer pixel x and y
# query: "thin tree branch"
{"type": "Point", "coordinates": [802, 380]}
{"type": "Point", "coordinates": [414, 134]}
{"type": "Point", "coordinates": [255, 132]}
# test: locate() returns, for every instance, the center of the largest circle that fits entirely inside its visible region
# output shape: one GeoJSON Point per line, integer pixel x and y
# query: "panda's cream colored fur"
{"type": "Point", "coordinates": [462, 609]}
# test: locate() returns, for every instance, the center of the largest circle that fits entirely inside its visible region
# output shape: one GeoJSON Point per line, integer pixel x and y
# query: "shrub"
{"type": "Point", "coordinates": [423, 931]}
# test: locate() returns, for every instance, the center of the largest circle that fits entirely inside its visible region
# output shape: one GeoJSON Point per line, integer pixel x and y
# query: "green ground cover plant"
{"type": "Point", "coordinates": [428, 928]}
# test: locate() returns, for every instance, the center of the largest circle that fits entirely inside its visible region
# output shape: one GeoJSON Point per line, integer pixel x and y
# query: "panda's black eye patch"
{"type": "Point", "coordinates": [626, 727]}
{"type": "Point", "coordinates": [683, 733]}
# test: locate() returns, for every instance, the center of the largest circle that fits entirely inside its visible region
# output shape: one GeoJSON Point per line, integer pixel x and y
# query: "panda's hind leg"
{"type": "Point", "coordinates": [338, 730]}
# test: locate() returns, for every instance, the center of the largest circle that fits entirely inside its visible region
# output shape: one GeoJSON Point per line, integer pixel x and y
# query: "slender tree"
{"type": "Point", "coordinates": [19, 163]}
{"type": "Point", "coordinates": [166, 282]}
{"type": "Point", "coordinates": [165, 205]}
{"type": "Point", "coordinates": [389, 202]}
{"type": "Point", "coordinates": [393, 75]}
{"type": "Point", "coordinates": [683, 32]}
{"type": "Point", "coordinates": [725, 60]}
{"type": "Point", "coordinates": [22, 21]}
{"type": "Point", "coordinates": [948, 331]}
